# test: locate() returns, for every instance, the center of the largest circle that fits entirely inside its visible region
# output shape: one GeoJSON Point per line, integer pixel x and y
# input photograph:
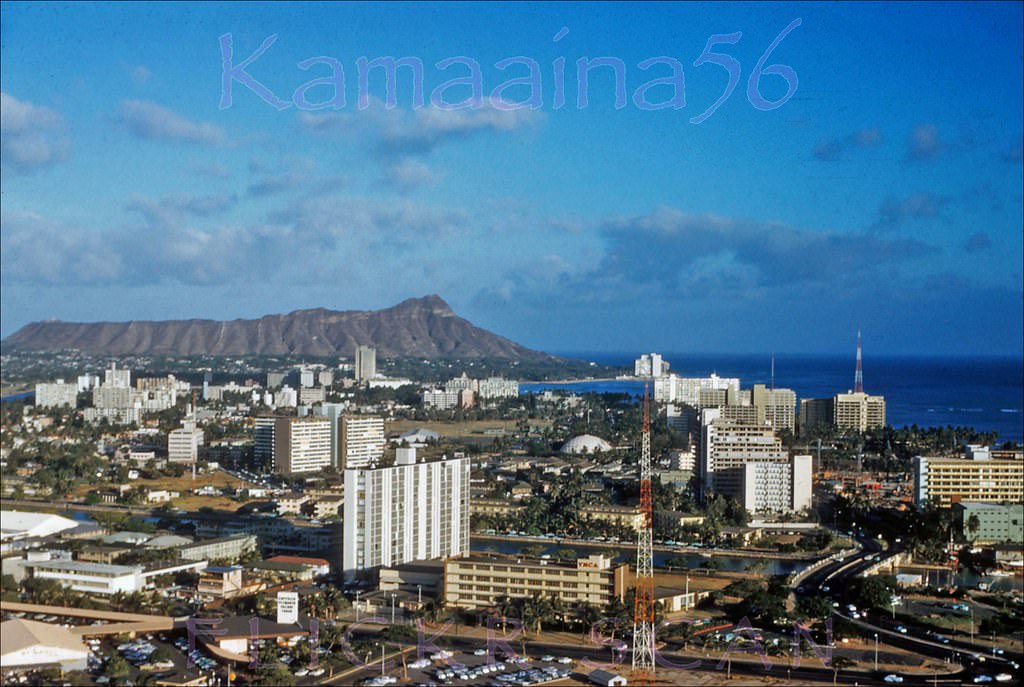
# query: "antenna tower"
{"type": "Point", "coordinates": [643, 605]}
{"type": "Point", "coordinates": [858, 377]}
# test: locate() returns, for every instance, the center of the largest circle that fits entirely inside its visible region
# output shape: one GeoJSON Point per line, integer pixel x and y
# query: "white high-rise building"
{"type": "Point", "coordinates": [121, 378]}
{"type": "Point", "coordinates": [650, 365]}
{"type": "Point", "coordinates": [302, 444]}
{"type": "Point", "coordinates": [88, 382]}
{"type": "Point", "coordinates": [411, 511]}
{"type": "Point", "coordinates": [333, 411]}
{"type": "Point", "coordinates": [727, 445]}
{"type": "Point", "coordinates": [183, 443]}
{"type": "Point", "coordinates": [776, 407]}
{"type": "Point", "coordinates": [57, 394]}
{"type": "Point", "coordinates": [306, 376]}
{"type": "Point", "coordinates": [362, 441]}
{"type": "Point", "coordinates": [777, 487]}
{"type": "Point", "coordinates": [674, 389]}
{"type": "Point", "coordinates": [365, 363]}
{"type": "Point", "coordinates": [497, 387]}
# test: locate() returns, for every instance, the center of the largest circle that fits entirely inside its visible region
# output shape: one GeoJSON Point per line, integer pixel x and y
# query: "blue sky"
{"type": "Point", "coordinates": [884, 194]}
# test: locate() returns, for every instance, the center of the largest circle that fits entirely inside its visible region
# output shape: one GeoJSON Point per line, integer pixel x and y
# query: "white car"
{"type": "Point", "coordinates": [565, 660]}
{"type": "Point", "coordinates": [480, 652]}
{"type": "Point", "coordinates": [547, 658]}
{"type": "Point", "coordinates": [1003, 677]}
{"type": "Point", "coordinates": [893, 678]}
{"type": "Point", "coordinates": [318, 672]}
{"type": "Point", "coordinates": [302, 672]}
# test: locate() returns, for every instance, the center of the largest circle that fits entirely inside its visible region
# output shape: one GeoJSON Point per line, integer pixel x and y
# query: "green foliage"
{"type": "Point", "coordinates": [875, 591]}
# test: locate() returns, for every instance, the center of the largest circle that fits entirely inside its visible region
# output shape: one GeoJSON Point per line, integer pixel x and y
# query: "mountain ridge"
{"type": "Point", "coordinates": [417, 327]}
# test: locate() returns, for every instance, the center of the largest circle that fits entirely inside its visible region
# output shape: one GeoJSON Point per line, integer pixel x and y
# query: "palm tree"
{"type": "Point", "coordinates": [587, 615]}
{"type": "Point", "coordinates": [506, 607]}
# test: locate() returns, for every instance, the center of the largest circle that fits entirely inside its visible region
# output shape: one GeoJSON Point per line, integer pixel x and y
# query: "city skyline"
{"type": "Point", "coordinates": [883, 194]}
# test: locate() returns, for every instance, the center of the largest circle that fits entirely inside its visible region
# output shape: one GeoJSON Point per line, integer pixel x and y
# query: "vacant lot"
{"type": "Point", "coordinates": [449, 428]}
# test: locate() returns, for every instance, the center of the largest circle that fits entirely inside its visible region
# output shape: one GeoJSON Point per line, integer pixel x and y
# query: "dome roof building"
{"type": "Point", "coordinates": [586, 443]}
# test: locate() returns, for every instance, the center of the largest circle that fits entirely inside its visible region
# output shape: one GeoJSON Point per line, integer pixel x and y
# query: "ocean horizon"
{"type": "Point", "coordinates": [983, 392]}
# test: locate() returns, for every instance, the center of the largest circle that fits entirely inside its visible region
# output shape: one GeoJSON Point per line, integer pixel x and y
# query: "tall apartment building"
{"type": "Point", "coordinates": [263, 441]}
{"type": "Point", "coordinates": [650, 365]}
{"type": "Point", "coordinates": [816, 412]}
{"type": "Point", "coordinates": [410, 511]}
{"type": "Point", "coordinates": [776, 407]}
{"type": "Point", "coordinates": [727, 445]}
{"type": "Point", "coordinates": [445, 399]}
{"type": "Point", "coordinates": [56, 395]}
{"type": "Point", "coordinates": [674, 389]}
{"type": "Point", "coordinates": [183, 443]}
{"type": "Point", "coordinates": [858, 411]}
{"type": "Point", "coordinates": [497, 387]}
{"type": "Point", "coordinates": [365, 363]}
{"type": "Point", "coordinates": [773, 487]}
{"type": "Point", "coordinates": [980, 479]}
{"type": "Point", "coordinates": [116, 377]}
{"type": "Point", "coordinates": [333, 412]}
{"type": "Point", "coordinates": [302, 444]}
{"type": "Point", "coordinates": [479, 580]}
{"type": "Point", "coordinates": [362, 441]}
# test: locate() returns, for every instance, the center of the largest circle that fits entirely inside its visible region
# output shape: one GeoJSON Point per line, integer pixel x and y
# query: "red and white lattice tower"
{"type": "Point", "coordinates": [858, 376]}
{"type": "Point", "coordinates": [643, 606]}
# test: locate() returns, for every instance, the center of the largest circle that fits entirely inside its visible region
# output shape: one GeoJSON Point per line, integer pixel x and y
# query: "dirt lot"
{"type": "Point", "coordinates": [184, 485]}
{"type": "Point", "coordinates": [459, 429]}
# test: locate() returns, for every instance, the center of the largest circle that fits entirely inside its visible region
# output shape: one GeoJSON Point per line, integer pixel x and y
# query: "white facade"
{"type": "Point", "coordinates": [365, 363]}
{"type": "Point", "coordinates": [774, 487]}
{"type": "Point", "coordinates": [114, 377]}
{"type": "Point", "coordinates": [93, 578]}
{"type": "Point", "coordinates": [650, 365]}
{"type": "Point", "coordinates": [57, 394]}
{"type": "Point", "coordinates": [183, 444]}
{"type": "Point", "coordinates": [302, 444]}
{"type": "Point", "coordinates": [411, 511]}
{"type": "Point", "coordinates": [362, 441]}
{"type": "Point", "coordinates": [497, 387]}
{"type": "Point", "coordinates": [674, 389]}
{"type": "Point", "coordinates": [726, 445]}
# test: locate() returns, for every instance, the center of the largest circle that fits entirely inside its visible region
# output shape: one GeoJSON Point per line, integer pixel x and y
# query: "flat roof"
{"type": "Point", "coordinates": [84, 567]}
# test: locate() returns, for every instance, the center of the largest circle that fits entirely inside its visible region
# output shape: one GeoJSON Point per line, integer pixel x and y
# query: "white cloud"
{"type": "Point", "coordinates": [155, 122]}
{"type": "Point", "coordinates": [32, 136]}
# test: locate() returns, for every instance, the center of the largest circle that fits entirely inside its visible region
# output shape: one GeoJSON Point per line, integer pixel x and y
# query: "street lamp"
{"type": "Point", "coordinates": [392, 608]}
{"type": "Point", "coordinates": [419, 594]}
{"type": "Point", "coordinates": [876, 651]}
{"type": "Point", "coordinates": [357, 606]}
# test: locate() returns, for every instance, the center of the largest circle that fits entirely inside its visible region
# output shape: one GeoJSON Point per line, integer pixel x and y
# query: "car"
{"type": "Point", "coordinates": [893, 678]}
{"type": "Point", "coordinates": [565, 660]}
{"type": "Point", "coordinates": [302, 672]}
{"type": "Point", "coordinates": [901, 629]}
{"type": "Point", "coordinates": [978, 679]}
{"type": "Point", "coordinates": [547, 658]}
{"type": "Point", "coordinates": [480, 652]}
{"type": "Point", "coordinates": [1003, 677]}
{"type": "Point", "coordinates": [318, 672]}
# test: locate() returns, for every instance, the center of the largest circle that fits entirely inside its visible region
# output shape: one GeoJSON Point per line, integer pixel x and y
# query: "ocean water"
{"type": "Point", "coordinates": [984, 393]}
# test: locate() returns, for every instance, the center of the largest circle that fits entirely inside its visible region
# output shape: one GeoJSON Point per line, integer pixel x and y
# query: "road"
{"type": "Point", "coordinates": [839, 577]}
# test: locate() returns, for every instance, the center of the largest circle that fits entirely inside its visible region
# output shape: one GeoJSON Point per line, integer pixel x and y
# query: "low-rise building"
{"type": "Point", "coordinates": [991, 523]}
{"type": "Point", "coordinates": [478, 581]}
{"type": "Point", "coordinates": [92, 578]}
{"type": "Point", "coordinates": [221, 548]}
{"type": "Point", "coordinates": [629, 517]}
{"type": "Point", "coordinates": [29, 645]}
